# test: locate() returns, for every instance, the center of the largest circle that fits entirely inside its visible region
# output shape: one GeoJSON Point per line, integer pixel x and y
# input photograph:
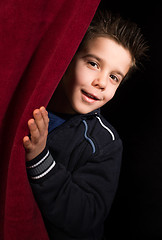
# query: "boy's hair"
{"type": "Point", "coordinates": [124, 32]}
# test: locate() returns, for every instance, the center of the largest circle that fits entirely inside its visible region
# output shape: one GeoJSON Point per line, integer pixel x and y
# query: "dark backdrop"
{"type": "Point", "coordinates": [137, 115]}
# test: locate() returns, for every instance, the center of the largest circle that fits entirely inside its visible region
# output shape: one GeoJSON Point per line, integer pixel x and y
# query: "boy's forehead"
{"type": "Point", "coordinates": [96, 45]}
{"type": "Point", "coordinates": [106, 47]}
{"type": "Point", "coordinates": [101, 42]}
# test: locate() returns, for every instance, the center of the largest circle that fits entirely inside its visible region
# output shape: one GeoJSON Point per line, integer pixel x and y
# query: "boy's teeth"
{"type": "Point", "coordinates": [90, 96]}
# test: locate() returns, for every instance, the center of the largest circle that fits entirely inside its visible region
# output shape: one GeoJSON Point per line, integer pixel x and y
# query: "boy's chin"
{"type": "Point", "coordinates": [84, 110]}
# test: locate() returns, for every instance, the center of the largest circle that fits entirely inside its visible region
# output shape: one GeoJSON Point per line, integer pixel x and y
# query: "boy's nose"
{"type": "Point", "coordinates": [100, 82]}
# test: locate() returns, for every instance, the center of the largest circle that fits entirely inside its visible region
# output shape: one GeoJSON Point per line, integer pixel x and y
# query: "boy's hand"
{"type": "Point", "coordinates": [38, 127]}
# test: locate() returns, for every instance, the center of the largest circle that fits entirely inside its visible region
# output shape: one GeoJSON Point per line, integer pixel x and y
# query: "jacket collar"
{"type": "Point", "coordinates": [95, 112]}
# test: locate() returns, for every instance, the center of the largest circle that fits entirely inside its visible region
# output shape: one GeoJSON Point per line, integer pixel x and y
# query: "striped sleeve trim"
{"type": "Point", "coordinates": [38, 163]}
{"type": "Point", "coordinates": [42, 167]}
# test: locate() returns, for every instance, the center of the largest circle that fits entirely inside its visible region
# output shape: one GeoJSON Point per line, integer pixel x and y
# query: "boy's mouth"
{"type": "Point", "coordinates": [91, 96]}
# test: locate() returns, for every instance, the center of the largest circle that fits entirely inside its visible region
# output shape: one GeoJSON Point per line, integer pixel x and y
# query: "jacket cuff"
{"type": "Point", "coordinates": [40, 166]}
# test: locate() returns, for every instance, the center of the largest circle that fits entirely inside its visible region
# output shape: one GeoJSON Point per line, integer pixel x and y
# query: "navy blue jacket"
{"type": "Point", "coordinates": [75, 178]}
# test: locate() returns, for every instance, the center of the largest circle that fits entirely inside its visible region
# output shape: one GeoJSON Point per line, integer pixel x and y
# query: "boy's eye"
{"type": "Point", "coordinates": [114, 78]}
{"type": "Point", "coordinates": [93, 64]}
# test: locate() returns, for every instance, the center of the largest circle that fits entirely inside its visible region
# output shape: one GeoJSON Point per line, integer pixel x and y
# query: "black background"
{"type": "Point", "coordinates": [136, 113]}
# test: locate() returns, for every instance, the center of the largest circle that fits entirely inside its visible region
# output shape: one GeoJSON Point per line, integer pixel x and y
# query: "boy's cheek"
{"type": "Point", "coordinates": [109, 96]}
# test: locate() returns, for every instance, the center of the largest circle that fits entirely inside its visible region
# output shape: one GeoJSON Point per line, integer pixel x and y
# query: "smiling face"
{"type": "Point", "coordinates": [93, 76]}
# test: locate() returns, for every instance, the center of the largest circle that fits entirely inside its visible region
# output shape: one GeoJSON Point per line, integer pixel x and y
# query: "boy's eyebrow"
{"type": "Point", "coordinates": [101, 60]}
{"type": "Point", "coordinates": [93, 56]}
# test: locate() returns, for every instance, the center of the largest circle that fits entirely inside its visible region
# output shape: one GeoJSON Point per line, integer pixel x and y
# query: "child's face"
{"type": "Point", "coordinates": [94, 75]}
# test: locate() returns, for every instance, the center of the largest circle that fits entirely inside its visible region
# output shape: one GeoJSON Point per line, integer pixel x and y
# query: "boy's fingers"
{"type": "Point", "coordinates": [34, 131]}
{"type": "Point", "coordinates": [45, 116]}
{"type": "Point", "coordinates": [27, 143]}
{"type": "Point", "coordinates": [39, 120]}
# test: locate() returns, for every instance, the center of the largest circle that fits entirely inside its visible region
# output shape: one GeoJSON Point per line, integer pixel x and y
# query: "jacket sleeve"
{"type": "Point", "coordinates": [76, 202]}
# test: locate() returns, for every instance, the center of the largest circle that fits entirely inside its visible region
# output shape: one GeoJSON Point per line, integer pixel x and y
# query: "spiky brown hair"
{"type": "Point", "coordinates": [124, 32]}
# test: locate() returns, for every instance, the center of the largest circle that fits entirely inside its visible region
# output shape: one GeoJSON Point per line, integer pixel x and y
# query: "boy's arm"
{"type": "Point", "coordinates": [76, 202]}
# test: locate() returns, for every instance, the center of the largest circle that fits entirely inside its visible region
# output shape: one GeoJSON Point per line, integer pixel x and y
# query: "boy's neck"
{"type": "Point", "coordinates": [59, 103]}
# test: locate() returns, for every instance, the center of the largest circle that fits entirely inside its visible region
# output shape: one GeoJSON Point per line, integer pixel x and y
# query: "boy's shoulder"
{"type": "Point", "coordinates": [105, 127]}
{"type": "Point", "coordinates": [101, 130]}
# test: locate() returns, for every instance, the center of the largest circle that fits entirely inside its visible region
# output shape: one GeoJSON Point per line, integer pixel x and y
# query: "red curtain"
{"type": "Point", "coordinates": [37, 42]}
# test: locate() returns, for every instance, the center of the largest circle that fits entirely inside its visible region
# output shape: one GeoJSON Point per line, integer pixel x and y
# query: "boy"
{"type": "Point", "coordinates": [73, 161]}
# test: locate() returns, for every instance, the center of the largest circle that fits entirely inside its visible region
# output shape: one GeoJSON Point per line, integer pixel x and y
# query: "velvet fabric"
{"type": "Point", "coordinates": [37, 42]}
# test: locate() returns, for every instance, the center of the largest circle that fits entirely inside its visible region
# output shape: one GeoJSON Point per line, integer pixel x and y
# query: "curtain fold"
{"type": "Point", "coordinates": [37, 42]}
